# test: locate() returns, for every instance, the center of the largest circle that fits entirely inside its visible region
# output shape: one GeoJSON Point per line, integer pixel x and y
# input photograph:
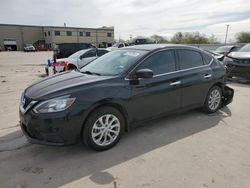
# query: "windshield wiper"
{"type": "Point", "coordinates": [91, 73]}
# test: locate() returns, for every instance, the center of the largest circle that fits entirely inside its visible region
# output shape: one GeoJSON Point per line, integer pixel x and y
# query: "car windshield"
{"type": "Point", "coordinates": [113, 63]}
{"type": "Point", "coordinates": [223, 49]}
{"type": "Point", "coordinates": [245, 48]}
{"type": "Point", "coordinates": [78, 54]}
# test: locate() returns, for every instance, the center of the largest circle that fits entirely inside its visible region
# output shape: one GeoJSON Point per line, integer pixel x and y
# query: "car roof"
{"type": "Point", "coordinates": [227, 46]}
{"type": "Point", "coordinates": [101, 49]}
{"type": "Point", "coordinates": [151, 47]}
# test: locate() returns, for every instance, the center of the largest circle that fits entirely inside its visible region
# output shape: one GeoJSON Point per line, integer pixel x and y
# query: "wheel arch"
{"type": "Point", "coordinates": [72, 66]}
{"type": "Point", "coordinates": [109, 103]}
{"type": "Point", "coordinates": [220, 84]}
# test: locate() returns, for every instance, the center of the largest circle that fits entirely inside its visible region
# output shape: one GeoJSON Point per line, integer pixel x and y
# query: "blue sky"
{"type": "Point", "coordinates": [134, 17]}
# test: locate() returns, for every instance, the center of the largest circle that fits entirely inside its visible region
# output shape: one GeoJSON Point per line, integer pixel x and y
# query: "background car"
{"type": "Point", "coordinates": [116, 46]}
{"type": "Point", "coordinates": [224, 50]}
{"type": "Point", "coordinates": [29, 48]}
{"type": "Point", "coordinates": [119, 90]}
{"type": "Point", "coordinates": [78, 59]}
{"type": "Point", "coordinates": [216, 55]}
{"type": "Point", "coordinates": [139, 41]}
{"type": "Point", "coordinates": [238, 63]}
{"type": "Point", "coordinates": [64, 50]}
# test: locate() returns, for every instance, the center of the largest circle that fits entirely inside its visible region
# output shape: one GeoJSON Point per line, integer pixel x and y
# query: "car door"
{"type": "Point", "coordinates": [159, 94]}
{"type": "Point", "coordinates": [196, 77]}
{"type": "Point", "coordinates": [87, 57]}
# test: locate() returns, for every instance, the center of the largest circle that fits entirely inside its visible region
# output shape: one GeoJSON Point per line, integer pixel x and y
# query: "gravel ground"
{"type": "Point", "coordinates": [188, 150]}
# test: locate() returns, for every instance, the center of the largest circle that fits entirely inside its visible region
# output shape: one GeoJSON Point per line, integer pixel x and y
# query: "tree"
{"type": "Point", "coordinates": [213, 40]}
{"type": "Point", "coordinates": [159, 39]}
{"type": "Point", "coordinates": [192, 38]}
{"type": "Point", "coordinates": [243, 37]}
{"type": "Point", "coordinates": [177, 38]}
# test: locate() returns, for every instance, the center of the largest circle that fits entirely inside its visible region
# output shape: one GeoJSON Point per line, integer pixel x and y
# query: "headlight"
{"type": "Point", "coordinates": [54, 105]}
{"type": "Point", "coordinates": [21, 103]}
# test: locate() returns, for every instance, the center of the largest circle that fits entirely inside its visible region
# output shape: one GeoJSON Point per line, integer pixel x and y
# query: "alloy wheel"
{"type": "Point", "coordinates": [105, 130]}
{"type": "Point", "coordinates": [214, 99]}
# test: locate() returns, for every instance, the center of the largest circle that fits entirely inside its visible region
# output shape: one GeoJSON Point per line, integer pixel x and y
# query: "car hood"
{"type": "Point", "coordinates": [240, 55]}
{"type": "Point", "coordinates": [60, 84]}
{"type": "Point", "coordinates": [220, 52]}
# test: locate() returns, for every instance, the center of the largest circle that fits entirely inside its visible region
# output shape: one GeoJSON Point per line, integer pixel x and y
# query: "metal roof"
{"type": "Point", "coordinates": [41, 26]}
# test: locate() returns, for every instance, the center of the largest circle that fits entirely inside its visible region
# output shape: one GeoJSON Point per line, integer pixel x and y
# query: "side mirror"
{"type": "Point", "coordinates": [144, 73]}
{"type": "Point", "coordinates": [81, 57]}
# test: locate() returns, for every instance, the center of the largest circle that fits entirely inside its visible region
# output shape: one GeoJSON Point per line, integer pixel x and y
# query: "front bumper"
{"type": "Point", "coordinates": [238, 70]}
{"type": "Point", "coordinates": [51, 129]}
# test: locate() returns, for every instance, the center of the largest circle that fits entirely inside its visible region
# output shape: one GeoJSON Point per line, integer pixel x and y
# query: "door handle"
{"type": "Point", "coordinates": [175, 83]}
{"type": "Point", "coordinates": [207, 76]}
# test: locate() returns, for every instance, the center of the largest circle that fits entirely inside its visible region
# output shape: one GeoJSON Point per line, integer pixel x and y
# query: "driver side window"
{"type": "Point", "coordinates": [160, 62]}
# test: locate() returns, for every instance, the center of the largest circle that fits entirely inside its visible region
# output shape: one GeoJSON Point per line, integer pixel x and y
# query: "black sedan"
{"type": "Point", "coordinates": [115, 92]}
{"type": "Point", "coordinates": [238, 63]}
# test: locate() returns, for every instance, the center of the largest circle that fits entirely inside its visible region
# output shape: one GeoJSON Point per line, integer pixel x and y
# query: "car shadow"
{"type": "Point", "coordinates": [57, 166]}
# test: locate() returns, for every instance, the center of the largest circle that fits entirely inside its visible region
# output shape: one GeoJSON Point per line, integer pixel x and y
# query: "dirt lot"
{"type": "Point", "coordinates": [187, 150]}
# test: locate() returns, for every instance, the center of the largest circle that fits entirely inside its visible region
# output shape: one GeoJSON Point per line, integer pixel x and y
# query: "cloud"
{"type": "Point", "coordinates": [134, 17]}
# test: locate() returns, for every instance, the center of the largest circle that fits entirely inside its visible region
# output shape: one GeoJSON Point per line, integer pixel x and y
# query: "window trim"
{"type": "Point", "coordinates": [175, 60]}
{"type": "Point", "coordinates": [129, 72]}
{"type": "Point", "coordinates": [127, 77]}
{"type": "Point", "coordinates": [203, 58]}
{"type": "Point", "coordinates": [178, 57]}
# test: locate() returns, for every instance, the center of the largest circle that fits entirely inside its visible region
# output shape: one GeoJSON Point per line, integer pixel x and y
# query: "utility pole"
{"type": "Point", "coordinates": [96, 38]}
{"type": "Point", "coordinates": [226, 34]}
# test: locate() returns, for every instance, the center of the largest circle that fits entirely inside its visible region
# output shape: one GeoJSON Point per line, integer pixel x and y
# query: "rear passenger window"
{"type": "Point", "coordinates": [91, 53]}
{"type": "Point", "coordinates": [189, 59]}
{"type": "Point", "coordinates": [207, 58]}
{"type": "Point", "coordinates": [101, 52]}
{"type": "Point", "coordinates": [160, 63]}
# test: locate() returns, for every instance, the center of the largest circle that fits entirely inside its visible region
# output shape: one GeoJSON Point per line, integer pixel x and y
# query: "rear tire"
{"type": "Point", "coordinates": [213, 100]}
{"type": "Point", "coordinates": [103, 128]}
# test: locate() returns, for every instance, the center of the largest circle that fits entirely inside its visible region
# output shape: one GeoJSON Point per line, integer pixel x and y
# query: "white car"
{"type": "Point", "coordinates": [83, 57]}
{"type": "Point", "coordinates": [80, 58]}
{"type": "Point", "coordinates": [29, 48]}
{"type": "Point", "coordinates": [116, 46]}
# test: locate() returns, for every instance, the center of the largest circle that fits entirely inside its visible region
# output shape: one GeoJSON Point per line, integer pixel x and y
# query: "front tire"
{"type": "Point", "coordinates": [213, 100]}
{"type": "Point", "coordinates": [103, 128]}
